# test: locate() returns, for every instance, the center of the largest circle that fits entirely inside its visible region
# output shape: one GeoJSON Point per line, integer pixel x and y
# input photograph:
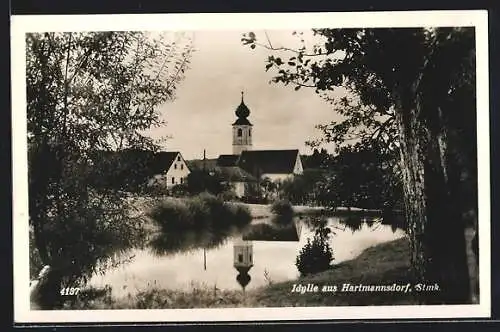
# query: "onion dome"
{"type": "Point", "coordinates": [242, 112]}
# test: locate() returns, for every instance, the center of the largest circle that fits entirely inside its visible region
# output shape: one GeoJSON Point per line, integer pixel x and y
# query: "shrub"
{"type": "Point", "coordinates": [254, 200]}
{"type": "Point", "coordinates": [241, 214]}
{"type": "Point", "coordinates": [200, 212]}
{"type": "Point", "coordinates": [216, 211]}
{"type": "Point", "coordinates": [170, 214]}
{"type": "Point", "coordinates": [228, 195]}
{"type": "Point", "coordinates": [316, 255]}
{"type": "Point", "coordinates": [282, 208]}
{"type": "Point", "coordinates": [179, 190]}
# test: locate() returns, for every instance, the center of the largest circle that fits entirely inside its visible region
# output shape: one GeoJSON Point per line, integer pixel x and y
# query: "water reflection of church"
{"type": "Point", "coordinates": [243, 247]}
{"type": "Point", "coordinates": [243, 261]}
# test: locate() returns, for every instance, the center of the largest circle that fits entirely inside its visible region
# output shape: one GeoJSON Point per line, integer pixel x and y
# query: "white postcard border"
{"type": "Point", "coordinates": [156, 22]}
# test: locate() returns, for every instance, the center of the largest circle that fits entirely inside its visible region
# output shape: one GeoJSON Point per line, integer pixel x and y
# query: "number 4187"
{"type": "Point", "coordinates": [70, 291]}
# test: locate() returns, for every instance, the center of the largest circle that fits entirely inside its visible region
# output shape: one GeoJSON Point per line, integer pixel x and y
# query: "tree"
{"type": "Point", "coordinates": [127, 169]}
{"type": "Point", "coordinates": [303, 188]}
{"type": "Point", "coordinates": [88, 92]}
{"type": "Point", "coordinates": [412, 90]}
{"type": "Point", "coordinates": [199, 181]}
{"type": "Point", "coordinates": [364, 178]}
{"type": "Point", "coordinates": [317, 159]}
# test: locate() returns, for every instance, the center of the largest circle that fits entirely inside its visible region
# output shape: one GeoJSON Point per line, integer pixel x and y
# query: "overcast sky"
{"type": "Point", "coordinates": [221, 67]}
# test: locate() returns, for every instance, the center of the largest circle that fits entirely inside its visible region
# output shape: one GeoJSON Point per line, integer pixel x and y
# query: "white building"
{"type": "Point", "coordinates": [175, 169]}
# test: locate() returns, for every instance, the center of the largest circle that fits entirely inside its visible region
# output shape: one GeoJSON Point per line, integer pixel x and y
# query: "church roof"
{"type": "Point", "coordinates": [235, 174]}
{"type": "Point", "coordinates": [200, 164]}
{"type": "Point", "coordinates": [241, 122]}
{"type": "Point", "coordinates": [227, 160]}
{"type": "Point", "coordinates": [268, 161]}
{"type": "Point", "coordinates": [242, 112]}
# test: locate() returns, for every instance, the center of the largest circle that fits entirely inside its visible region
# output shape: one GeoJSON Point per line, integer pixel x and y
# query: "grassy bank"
{"type": "Point", "coordinates": [383, 264]}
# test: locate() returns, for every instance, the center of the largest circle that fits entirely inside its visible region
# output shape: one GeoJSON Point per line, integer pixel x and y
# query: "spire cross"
{"type": "Point", "coordinates": [242, 96]}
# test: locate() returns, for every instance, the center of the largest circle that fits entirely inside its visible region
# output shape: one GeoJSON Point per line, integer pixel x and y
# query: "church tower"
{"type": "Point", "coordinates": [242, 129]}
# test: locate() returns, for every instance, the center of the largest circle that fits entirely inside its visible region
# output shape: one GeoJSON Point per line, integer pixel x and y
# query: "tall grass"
{"type": "Point", "coordinates": [152, 297]}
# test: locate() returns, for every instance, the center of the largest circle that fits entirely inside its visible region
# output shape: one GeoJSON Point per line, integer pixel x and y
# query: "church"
{"type": "Point", "coordinates": [246, 165]}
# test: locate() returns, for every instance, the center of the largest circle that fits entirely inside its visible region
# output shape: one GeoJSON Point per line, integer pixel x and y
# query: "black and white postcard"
{"type": "Point", "coordinates": [250, 167]}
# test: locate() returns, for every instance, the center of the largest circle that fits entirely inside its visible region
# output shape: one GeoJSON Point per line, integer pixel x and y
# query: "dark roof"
{"type": "Point", "coordinates": [199, 164]}
{"type": "Point", "coordinates": [268, 161]}
{"type": "Point", "coordinates": [163, 160]}
{"type": "Point", "coordinates": [235, 174]}
{"type": "Point", "coordinates": [156, 162]}
{"type": "Point", "coordinates": [241, 122]}
{"type": "Point", "coordinates": [226, 160]}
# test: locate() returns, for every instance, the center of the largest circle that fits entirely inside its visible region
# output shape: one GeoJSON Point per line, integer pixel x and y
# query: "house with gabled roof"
{"type": "Point", "coordinates": [131, 168]}
{"type": "Point", "coordinates": [170, 169]}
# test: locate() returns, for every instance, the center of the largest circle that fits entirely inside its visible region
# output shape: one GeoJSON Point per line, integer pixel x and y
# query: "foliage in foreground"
{"type": "Point", "coordinates": [409, 92]}
{"type": "Point", "coordinates": [88, 92]}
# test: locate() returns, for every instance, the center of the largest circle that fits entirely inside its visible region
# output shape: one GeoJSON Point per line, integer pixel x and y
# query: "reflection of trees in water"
{"type": "Point", "coordinates": [395, 219]}
{"type": "Point", "coordinates": [271, 232]}
{"type": "Point", "coordinates": [315, 222]}
{"type": "Point", "coordinates": [172, 242]}
{"type": "Point", "coordinates": [355, 220]}
{"type": "Point", "coordinates": [282, 220]}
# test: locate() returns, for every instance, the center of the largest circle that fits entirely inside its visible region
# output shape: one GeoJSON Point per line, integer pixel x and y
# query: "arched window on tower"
{"type": "Point", "coordinates": [240, 132]}
{"type": "Point", "coordinates": [249, 132]}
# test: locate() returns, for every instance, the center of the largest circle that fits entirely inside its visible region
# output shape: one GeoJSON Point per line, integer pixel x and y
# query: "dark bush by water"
{"type": "Point", "coordinates": [202, 211]}
{"type": "Point", "coordinates": [316, 255]}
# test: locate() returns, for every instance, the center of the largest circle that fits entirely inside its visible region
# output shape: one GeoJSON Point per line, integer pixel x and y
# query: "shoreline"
{"type": "Point", "coordinates": [383, 264]}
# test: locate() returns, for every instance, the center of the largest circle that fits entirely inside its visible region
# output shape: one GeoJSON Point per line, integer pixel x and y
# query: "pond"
{"type": "Point", "coordinates": [273, 254]}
